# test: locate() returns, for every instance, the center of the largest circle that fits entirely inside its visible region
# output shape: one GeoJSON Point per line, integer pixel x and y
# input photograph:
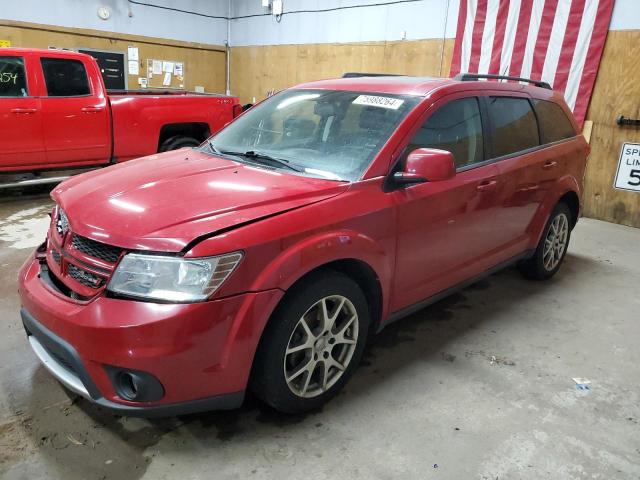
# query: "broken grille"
{"type": "Point", "coordinates": [101, 251]}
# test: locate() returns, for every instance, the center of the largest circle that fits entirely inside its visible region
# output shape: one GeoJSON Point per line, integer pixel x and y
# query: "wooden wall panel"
{"type": "Point", "coordinates": [256, 70]}
{"type": "Point", "coordinates": [616, 92]}
{"type": "Point", "coordinates": [205, 65]}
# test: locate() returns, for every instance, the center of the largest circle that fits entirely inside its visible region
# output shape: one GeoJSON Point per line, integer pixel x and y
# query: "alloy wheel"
{"type": "Point", "coordinates": [321, 346]}
{"type": "Point", "coordinates": [555, 242]}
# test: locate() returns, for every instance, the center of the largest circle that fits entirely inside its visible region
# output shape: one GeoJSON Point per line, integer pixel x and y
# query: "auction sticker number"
{"type": "Point", "coordinates": [382, 102]}
{"type": "Point", "coordinates": [8, 78]}
{"type": "Point", "coordinates": [628, 174]}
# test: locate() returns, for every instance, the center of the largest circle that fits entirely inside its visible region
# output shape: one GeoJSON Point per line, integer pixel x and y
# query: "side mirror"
{"type": "Point", "coordinates": [426, 165]}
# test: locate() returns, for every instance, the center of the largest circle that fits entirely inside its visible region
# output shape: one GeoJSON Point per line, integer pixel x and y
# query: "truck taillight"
{"type": "Point", "coordinates": [237, 110]}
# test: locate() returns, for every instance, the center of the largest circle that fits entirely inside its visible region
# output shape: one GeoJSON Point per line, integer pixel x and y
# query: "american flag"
{"type": "Point", "coordinates": [558, 41]}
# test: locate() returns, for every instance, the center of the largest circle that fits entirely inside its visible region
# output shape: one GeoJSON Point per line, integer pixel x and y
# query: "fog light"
{"type": "Point", "coordinates": [134, 385]}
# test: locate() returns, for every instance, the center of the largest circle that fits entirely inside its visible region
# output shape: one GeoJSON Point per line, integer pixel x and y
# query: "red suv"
{"type": "Point", "coordinates": [264, 259]}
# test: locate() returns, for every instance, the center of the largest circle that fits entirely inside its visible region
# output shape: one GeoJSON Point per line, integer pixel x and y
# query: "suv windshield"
{"type": "Point", "coordinates": [322, 133]}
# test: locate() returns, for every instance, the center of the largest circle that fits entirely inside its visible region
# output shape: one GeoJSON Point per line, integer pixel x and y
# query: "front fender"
{"type": "Point", "coordinates": [320, 249]}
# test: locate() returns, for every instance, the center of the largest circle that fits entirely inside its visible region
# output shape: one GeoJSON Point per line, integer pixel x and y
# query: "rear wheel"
{"type": "Point", "coordinates": [179, 141]}
{"type": "Point", "coordinates": [552, 248]}
{"type": "Point", "coordinates": [312, 344]}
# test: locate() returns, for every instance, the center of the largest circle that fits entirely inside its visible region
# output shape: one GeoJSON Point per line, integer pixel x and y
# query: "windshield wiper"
{"type": "Point", "coordinates": [223, 153]}
{"type": "Point", "coordinates": [263, 156]}
{"type": "Point", "coordinates": [257, 156]}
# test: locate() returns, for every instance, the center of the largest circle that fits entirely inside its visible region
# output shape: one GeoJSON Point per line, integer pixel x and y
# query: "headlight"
{"type": "Point", "coordinates": [174, 279]}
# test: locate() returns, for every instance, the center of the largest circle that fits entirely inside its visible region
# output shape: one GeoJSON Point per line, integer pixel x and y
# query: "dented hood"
{"type": "Point", "coordinates": [163, 202]}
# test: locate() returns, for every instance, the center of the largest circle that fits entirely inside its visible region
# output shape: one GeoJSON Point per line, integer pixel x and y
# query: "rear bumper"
{"type": "Point", "coordinates": [200, 353]}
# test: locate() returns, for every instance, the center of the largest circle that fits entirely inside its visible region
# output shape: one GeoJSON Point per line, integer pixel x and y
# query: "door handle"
{"type": "Point", "coordinates": [487, 186]}
{"type": "Point", "coordinates": [23, 111]}
{"type": "Point", "coordinates": [92, 109]}
{"type": "Point", "coordinates": [549, 165]}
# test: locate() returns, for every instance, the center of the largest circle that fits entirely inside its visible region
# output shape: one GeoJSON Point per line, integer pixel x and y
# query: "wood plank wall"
{"type": "Point", "coordinates": [616, 92]}
{"type": "Point", "coordinates": [258, 69]}
{"type": "Point", "coordinates": [204, 65]}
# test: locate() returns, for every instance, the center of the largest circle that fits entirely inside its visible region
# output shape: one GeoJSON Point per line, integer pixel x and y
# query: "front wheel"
{"type": "Point", "coordinates": [312, 344]}
{"type": "Point", "coordinates": [552, 248]}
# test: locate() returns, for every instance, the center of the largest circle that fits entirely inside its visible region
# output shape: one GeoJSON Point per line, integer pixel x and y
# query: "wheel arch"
{"type": "Point", "coordinates": [566, 190]}
{"type": "Point", "coordinates": [572, 201]}
{"type": "Point", "coordinates": [198, 130]}
{"type": "Point", "coordinates": [364, 276]}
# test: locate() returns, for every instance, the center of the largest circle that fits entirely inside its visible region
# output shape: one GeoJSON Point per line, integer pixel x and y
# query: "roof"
{"type": "Point", "coordinates": [419, 86]}
{"type": "Point", "coordinates": [49, 52]}
{"type": "Point", "coordinates": [393, 84]}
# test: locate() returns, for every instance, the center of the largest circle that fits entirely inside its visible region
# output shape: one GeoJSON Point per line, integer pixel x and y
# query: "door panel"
{"type": "Point", "coordinates": [21, 143]}
{"type": "Point", "coordinates": [77, 125]}
{"type": "Point", "coordinates": [446, 233]}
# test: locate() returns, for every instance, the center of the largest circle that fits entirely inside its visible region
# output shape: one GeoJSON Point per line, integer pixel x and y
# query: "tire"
{"type": "Point", "coordinates": [177, 142]}
{"type": "Point", "coordinates": [544, 263]}
{"type": "Point", "coordinates": [321, 363]}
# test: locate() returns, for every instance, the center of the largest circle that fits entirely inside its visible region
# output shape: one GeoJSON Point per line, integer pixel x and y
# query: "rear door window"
{"type": "Point", "coordinates": [13, 80]}
{"type": "Point", "coordinates": [554, 124]}
{"type": "Point", "coordinates": [455, 127]}
{"type": "Point", "coordinates": [65, 78]}
{"type": "Point", "coordinates": [514, 125]}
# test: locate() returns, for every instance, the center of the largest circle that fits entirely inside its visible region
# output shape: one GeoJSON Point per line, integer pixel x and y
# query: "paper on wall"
{"type": "Point", "coordinates": [143, 82]}
{"type": "Point", "coordinates": [167, 79]}
{"type": "Point", "coordinates": [132, 53]}
{"type": "Point", "coordinates": [167, 67]}
{"type": "Point", "coordinates": [134, 68]}
{"type": "Point", "coordinates": [177, 69]}
{"type": "Point", "coordinates": [157, 67]}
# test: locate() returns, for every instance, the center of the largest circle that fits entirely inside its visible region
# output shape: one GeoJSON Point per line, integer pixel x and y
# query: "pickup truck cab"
{"type": "Point", "coordinates": [265, 258]}
{"type": "Point", "coordinates": [56, 114]}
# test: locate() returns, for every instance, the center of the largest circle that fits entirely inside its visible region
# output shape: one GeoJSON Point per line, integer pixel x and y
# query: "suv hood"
{"type": "Point", "coordinates": [163, 202]}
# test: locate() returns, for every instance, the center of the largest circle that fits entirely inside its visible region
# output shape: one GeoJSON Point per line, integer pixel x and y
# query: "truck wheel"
{"type": "Point", "coordinates": [177, 142]}
{"type": "Point", "coordinates": [312, 344]}
{"type": "Point", "coordinates": [552, 248]}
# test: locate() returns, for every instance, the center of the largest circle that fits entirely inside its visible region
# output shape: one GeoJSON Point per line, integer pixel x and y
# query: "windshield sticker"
{"type": "Point", "coordinates": [382, 102]}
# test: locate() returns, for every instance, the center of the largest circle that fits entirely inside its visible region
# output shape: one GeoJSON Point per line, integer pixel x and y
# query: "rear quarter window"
{"type": "Point", "coordinates": [554, 124]}
{"type": "Point", "coordinates": [514, 125]}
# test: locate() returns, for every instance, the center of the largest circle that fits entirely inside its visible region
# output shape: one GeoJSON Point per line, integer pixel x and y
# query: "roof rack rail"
{"type": "Point", "coordinates": [465, 77]}
{"type": "Point", "coordinates": [358, 74]}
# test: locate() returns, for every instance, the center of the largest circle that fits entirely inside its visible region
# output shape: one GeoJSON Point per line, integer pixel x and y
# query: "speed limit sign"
{"type": "Point", "coordinates": [628, 174]}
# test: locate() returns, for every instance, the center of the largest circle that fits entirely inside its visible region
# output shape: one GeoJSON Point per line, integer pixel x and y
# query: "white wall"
{"type": "Point", "coordinates": [421, 20]}
{"type": "Point", "coordinates": [148, 21]}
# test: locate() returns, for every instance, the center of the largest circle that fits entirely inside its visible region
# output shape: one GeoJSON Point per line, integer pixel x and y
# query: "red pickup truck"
{"type": "Point", "coordinates": [56, 114]}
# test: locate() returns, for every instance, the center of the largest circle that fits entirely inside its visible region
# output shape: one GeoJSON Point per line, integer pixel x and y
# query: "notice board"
{"type": "Point", "coordinates": [165, 74]}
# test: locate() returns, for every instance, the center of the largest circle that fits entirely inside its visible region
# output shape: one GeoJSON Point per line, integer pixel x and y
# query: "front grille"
{"type": "Point", "coordinates": [106, 253]}
{"type": "Point", "coordinates": [56, 256]}
{"type": "Point", "coordinates": [85, 278]}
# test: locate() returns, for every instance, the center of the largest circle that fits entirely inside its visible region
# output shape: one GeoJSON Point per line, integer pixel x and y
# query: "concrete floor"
{"type": "Point", "coordinates": [478, 386]}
